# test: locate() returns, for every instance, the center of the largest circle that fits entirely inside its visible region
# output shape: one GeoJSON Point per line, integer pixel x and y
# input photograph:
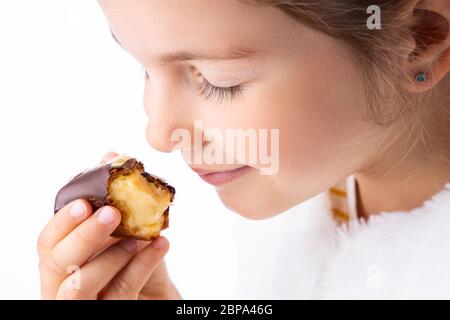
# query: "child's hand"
{"type": "Point", "coordinates": [79, 259]}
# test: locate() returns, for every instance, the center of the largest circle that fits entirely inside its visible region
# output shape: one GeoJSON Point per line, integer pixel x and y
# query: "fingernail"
{"type": "Point", "coordinates": [106, 216]}
{"type": "Point", "coordinates": [158, 243]}
{"type": "Point", "coordinates": [129, 244]}
{"type": "Point", "coordinates": [77, 209]}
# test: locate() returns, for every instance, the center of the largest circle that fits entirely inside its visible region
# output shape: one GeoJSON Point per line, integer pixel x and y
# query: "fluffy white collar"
{"type": "Point", "coordinates": [302, 254]}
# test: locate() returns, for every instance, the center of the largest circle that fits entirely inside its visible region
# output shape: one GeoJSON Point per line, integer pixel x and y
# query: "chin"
{"type": "Point", "coordinates": [251, 208]}
{"type": "Point", "coordinates": [257, 197]}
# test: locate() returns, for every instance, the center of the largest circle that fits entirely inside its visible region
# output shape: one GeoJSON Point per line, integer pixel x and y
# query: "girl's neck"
{"type": "Point", "coordinates": [405, 187]}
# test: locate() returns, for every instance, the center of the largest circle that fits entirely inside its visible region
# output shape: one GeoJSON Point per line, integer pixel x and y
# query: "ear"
{"type": "Point", "coordinates": [431, 33]}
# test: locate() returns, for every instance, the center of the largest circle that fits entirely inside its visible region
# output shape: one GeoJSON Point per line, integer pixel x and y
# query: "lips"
{"type": "Point", "coordinates": [220, 177]}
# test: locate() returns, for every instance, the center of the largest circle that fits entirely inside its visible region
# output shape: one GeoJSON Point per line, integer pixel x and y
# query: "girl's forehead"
{"type": "Point", "coordinates": [148, 25]}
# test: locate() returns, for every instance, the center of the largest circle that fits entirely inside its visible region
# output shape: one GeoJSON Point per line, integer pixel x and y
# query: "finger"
{"type": "Point", "coordinates": [87, 282]}
{"type": "Point", "coordinates": [158, 281]}
{"type": "Point", "coordinates": [108, 156]}
{"type": "Point", "coordinates": [131, 279]}
{"type": "Point", "coordinates": [76, 249]}
{"type": "Point", "coordinates": [64, 221]}
{"type": "Point", "coordinates": [108, 242]}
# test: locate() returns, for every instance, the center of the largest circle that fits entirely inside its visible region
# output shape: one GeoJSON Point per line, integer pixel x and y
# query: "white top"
{"type": "Point", "coordinates": [308, 253]}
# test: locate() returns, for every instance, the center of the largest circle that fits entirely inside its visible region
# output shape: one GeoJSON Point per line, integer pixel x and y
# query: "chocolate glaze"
{"type": "Point", "coordinates": [92, 185]}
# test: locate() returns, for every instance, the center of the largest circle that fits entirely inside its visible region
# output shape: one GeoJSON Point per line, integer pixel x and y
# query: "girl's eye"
{"type": "Point", "coordinates": [222, 94]}
{"type": "Point", "coordinates": [207, 90]}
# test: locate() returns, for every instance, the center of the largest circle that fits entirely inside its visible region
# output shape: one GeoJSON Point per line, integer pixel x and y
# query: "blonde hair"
{"type": "Point", "coordinates": [425, 117]}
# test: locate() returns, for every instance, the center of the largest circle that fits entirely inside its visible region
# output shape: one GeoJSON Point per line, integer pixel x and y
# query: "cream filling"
{"type": "Point", "coordinates": [145, 202]}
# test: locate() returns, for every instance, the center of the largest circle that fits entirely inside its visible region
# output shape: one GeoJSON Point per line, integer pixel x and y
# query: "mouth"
{"type": "Point", "coordinates": [220, 177]}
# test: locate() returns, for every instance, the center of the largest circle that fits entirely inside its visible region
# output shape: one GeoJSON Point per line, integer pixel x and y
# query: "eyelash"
{"type": "Point", "coordinates": [207, 90]}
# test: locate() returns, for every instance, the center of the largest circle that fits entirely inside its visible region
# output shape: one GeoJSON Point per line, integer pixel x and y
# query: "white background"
{"type": "Point", "coordinates": [68, 94]}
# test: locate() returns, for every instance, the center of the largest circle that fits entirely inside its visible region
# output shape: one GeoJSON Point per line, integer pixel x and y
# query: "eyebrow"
{"type": "Point", "coordinates": [235, 53]}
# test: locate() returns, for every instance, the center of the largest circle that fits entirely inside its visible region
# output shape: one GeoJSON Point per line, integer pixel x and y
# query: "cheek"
{"type": "Point", "coordinates": [316, 103]}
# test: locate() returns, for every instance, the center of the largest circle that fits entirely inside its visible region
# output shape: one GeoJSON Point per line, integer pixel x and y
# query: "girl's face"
{"type": "Point", "coordinates": [232, 65]}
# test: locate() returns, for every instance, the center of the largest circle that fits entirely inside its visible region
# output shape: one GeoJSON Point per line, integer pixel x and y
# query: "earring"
{"type": "Point", "coordinates": [421, 77]}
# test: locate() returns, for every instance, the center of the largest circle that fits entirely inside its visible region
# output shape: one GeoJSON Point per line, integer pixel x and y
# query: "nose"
{"type": "Point", "coordinates": [167, 112]}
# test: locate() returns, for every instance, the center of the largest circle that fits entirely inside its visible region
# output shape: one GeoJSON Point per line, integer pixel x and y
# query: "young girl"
{"type": "Point", "coordinates": [359, 92]}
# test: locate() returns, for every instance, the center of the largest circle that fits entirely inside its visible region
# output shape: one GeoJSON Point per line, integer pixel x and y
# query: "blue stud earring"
{"type": "Point", "coordinates": [421, 77]}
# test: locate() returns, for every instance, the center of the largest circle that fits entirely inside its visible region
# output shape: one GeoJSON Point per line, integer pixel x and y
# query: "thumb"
{"type": "Point", "coordinates": [108, 156]}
